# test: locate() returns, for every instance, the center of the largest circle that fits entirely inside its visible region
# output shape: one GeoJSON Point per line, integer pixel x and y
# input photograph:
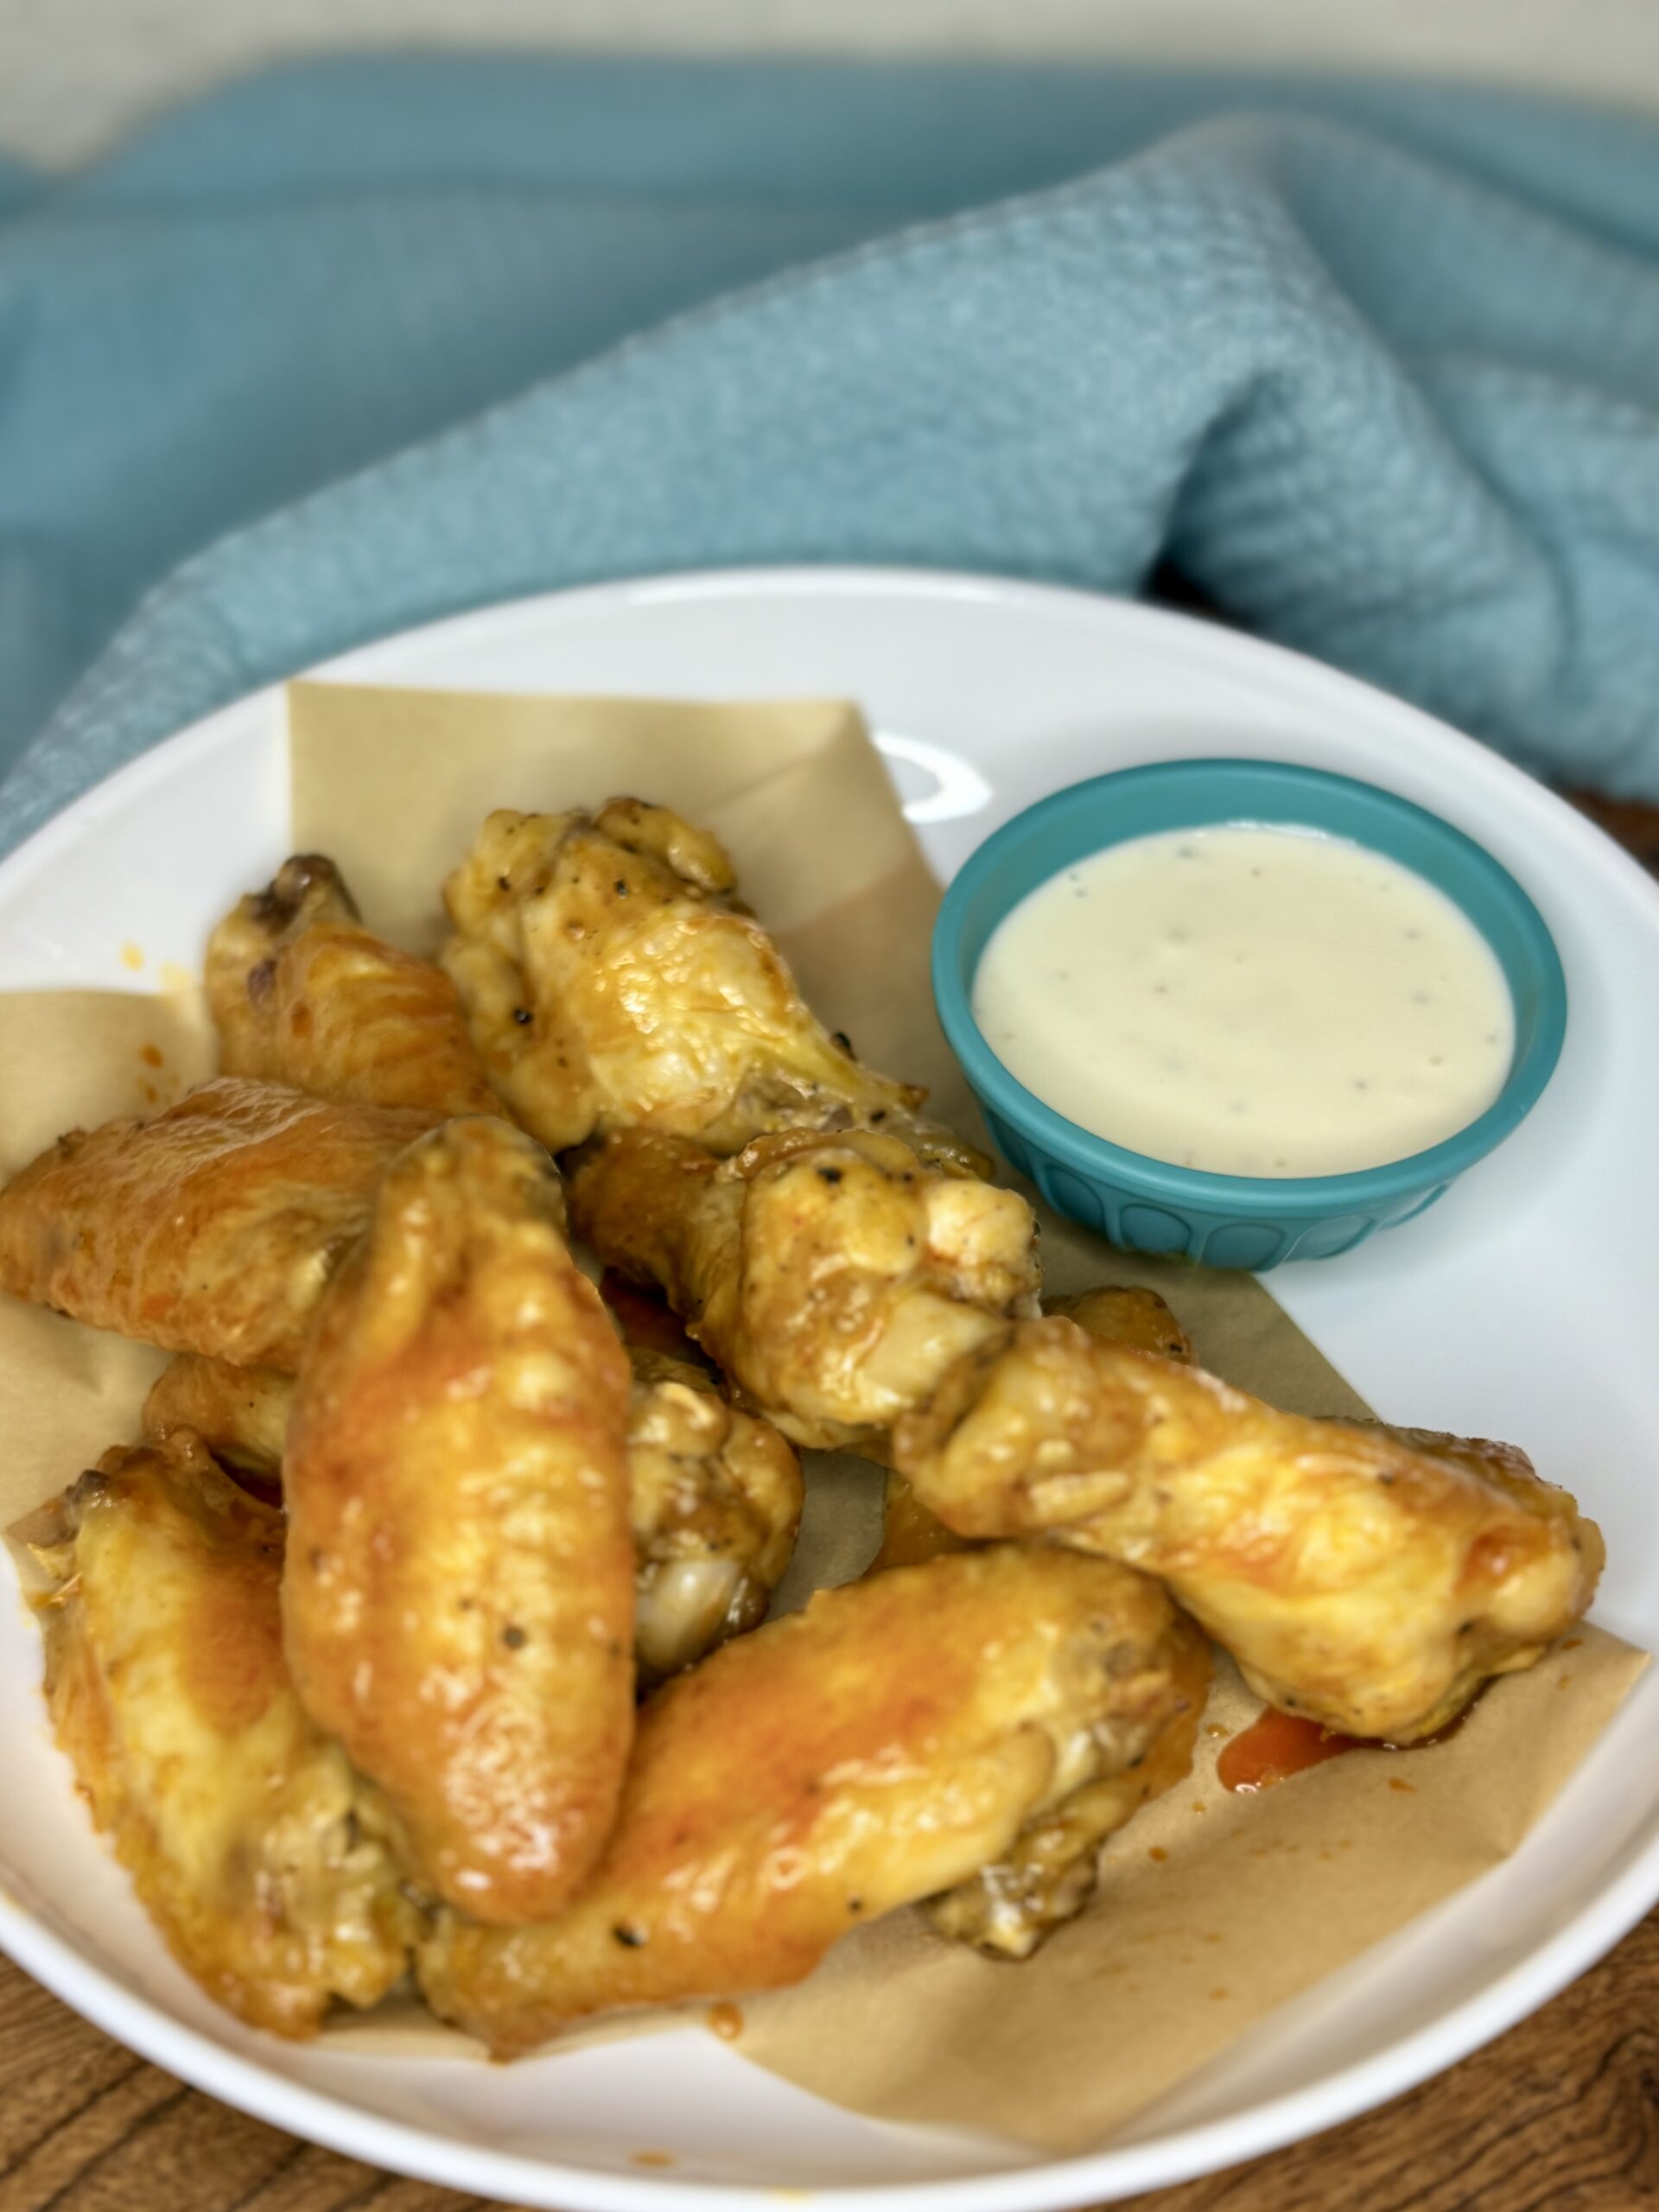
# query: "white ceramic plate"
{"type": "Point", "coordinates": [1522, 1305]}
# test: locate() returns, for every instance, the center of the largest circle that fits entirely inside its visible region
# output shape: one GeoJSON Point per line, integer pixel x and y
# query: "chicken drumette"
{"type": "Point", "coordinates": [1117, 1313]}
{"type": "Point", "coordinates": [301, 993]}
{"type": "Point", "coordinates": [458, 1603]}
{"type": "Point", "coordinates": [252, 1843]}
{"type": "Point", "coordinates": [834, 1278]}
{"type": "Point", "coordinates": [888, 1743]}
{"type": "Point", "coordinates": [1372, 1580]}
{"type": "Point", "coordinates": [613, 980]}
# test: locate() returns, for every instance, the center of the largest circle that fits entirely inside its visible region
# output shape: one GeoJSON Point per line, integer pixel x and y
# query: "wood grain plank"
{"type": "Point", "coordinates": [1561, 2115]}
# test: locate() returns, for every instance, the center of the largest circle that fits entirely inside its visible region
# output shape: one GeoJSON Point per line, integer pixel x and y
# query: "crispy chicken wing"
{"type": "Point", "coordinates": [1114, 1311]}
{"type": "Point", "coordinates": [301, 993]}
{"type": "Point", "coordinates": [886, 1743]}
{"type": "Point", "coordinates": [714, 1493]}
{"type": "Point", "coordinates": [716, 1501]}
{"type": "Point", "coordinates": [251, 1842]}
{"type": "Point", "coordinates": [211, 1227]}
{"type": "Point", "coordinates": [613, 980]}
{"type": "Point", "coordinates": [1369, 1582]}
{"type": "Point", "coordinates": [458, 1604]}
{"type": "Point", "coordinates": [834, 1278]}
{"type": "Point", "coordinates": [239, 1412]}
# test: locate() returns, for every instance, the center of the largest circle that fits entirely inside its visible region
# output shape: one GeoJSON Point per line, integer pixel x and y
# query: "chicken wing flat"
{"type": "Point", "coordinates": [885, 1744]}
{"type": "Point", "coordinates": [209, 1228]}
{"type": "Point", "coordinates": [1371, 1583]}
{"type": "Point", "coordinates": [714, 1493]}
{"type": "Point", "coordinates": [714, 1497]}
{"type": "Point", "coordinates": [249, 1838]}
{"type": "Point", "coordinates": [458, 1604]}
{"type": "Point", "coordinates": [613, 980]}
{"type": "Point", "coordinates": [1116, 1313]}
{"type": "Point", "coordinates": [834, 1278]}
{"type": "Point", "coordinates": [301, 993]}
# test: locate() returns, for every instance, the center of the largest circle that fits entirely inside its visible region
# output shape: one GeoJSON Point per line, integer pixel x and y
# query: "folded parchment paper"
{"type": "Point", "coordinates": [1211, 1908]}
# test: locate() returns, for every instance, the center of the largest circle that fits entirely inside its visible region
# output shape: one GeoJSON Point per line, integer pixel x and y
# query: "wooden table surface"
{"type": "Point", "coordinates": [1561, 2115]}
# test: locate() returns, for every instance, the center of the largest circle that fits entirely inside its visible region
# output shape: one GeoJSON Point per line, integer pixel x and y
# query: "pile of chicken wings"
{"type": "Point", "coordinates": [424, 1631]}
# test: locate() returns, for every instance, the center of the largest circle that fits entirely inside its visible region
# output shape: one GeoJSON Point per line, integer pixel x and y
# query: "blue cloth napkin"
{"type": "Point", "coordinates": [1375, 367]}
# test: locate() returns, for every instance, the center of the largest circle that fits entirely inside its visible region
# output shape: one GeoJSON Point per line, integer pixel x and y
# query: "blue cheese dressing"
{"type": "Point", "coordinates": [1253, 1001]}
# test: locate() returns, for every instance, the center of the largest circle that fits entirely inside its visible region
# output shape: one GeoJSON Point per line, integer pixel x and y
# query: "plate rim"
{"type": "Point", "coordinates": [1046, 2184]}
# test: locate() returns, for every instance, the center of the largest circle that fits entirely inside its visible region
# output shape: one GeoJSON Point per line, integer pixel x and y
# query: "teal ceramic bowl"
{"type": "Point", "coordinates": [1236, 1221]}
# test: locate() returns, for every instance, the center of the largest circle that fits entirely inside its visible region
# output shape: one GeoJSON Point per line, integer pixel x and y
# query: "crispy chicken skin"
{"type": "Point", "coordinates": [1116, 1313]}
{"type": "Point", "coordinates": [613, 980]}
{"type": "Point", "coordinates": [458, 1601]}
{"type": "Point", "coordinates": [1367, 1581]}
{"type": "Point", "coordinates": [251, 1842]}
{"type": "Point", "coordinates": [714, 1497]}
{"type": "Point", "coordinates": [714, 1493]}
{"type": "Point", "coordinates": [301, 993]}
{"type": "Point", "coordinates": [834, 1278]}
{"type": "Point", "coordinates": [239, 1412]}
{"type": "Point", "coordinates": [209, 1228]}
{"type": "Point", "coordinates": [879, 1747]}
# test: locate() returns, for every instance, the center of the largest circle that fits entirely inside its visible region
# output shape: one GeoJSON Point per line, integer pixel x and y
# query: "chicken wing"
{"type": "Point", "coordinates": [251, 1842]}
{"type": "Point", "coordinates": [239, 1412]}
{"type": "Point", "coordinates": [884, 1744]}
{"type": "Point", "coordinates": [611, 980]}
{"type": "Point", "coordinates": [301, 993]}
{"type": "Point", "coordinates": [714, 1497]}
{"type": "Point", "coordinates": [834, 1278]}
{"type": "Point", "coordinates": [210, 1228]}
{"type": "Point", "coordinates": [458, 1604]}
{"type": "Point", "coordinates": [714, 1493]}
{"type": "Point", "coordinates": [1114, 1311]}
{"type": "Point", "coordinates": [1370, 1583]}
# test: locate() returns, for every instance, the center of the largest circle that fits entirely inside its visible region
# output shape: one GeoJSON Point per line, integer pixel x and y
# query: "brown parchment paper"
{"type": "Point", "coordinates": [1211, 1909]}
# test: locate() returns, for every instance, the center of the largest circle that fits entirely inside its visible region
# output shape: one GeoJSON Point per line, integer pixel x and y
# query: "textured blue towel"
{"type": "Point", "coordinates": [1377, 367]}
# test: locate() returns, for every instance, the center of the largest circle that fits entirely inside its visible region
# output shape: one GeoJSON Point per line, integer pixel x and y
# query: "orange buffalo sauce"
{"type": "Point", "coordinates": [1279, 1745]}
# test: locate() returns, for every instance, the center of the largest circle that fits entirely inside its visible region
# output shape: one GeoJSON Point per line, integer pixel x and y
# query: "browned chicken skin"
{"type": "Point", "coordinates": [239, 1412]}
{"type": "Point", "coordinates": [301, 993]}
{"type": "Point", "coordinates": [834, 1278]}
{"type": "Point", "coordinates": [1116, 1313]}
{"type": "Point", "coordinates": [458, 1602]}
{"type": "Point", "coordinates": [882, 1746]}
{"type": "Point", "coordinates": [715, 1498]}
{"type": "Point", "coordinates": [211, 1227]}
{"type": "Point", "coordinates": [613, 980]}
{"type": "Point", "coordinates": [714, 1493]}
{"type": "Point", "coordinates": [250, 1840]}
{"type": "Point", "coordinates": [1371, 1583]}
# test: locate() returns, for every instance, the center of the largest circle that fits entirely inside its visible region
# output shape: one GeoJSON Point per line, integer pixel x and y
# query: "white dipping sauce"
{"type": "Point", "coordinates": [1258, 1002]}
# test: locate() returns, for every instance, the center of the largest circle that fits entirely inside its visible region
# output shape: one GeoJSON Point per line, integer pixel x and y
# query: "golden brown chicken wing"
{"type": "Point", "coordinates": [239, 1412]}
{"type": "Point", "coordinates": [249, 1838]}
{"type": "Point", "coordinates": [715, 1497]}
{"type": "Point", "coordinates": [613, 980]}
{"type": "Point", "coordinates": [209, 1228]}
{"type": "Point", "coordinates": [714, 1493]}
{"type": "Point", "coordinates": [834, 1278]}
{"type": "Point", "coordinates": [882, 1746]}
{"type": "Point", "coordinates": [1117, 1313]}
{"type": "Point", "coordinates": [1372, 1584]}
{"type": "Point", "coordinates": [301, 993]}
{"type": "Point", "coordinates": [458, 1603]}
